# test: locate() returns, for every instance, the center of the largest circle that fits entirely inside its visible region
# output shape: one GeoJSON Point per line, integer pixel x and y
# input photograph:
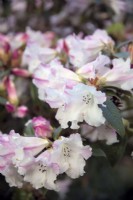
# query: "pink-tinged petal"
{"type": "Point", "coordinates": [55, 167]}
{"type": "Point", "coordinates": [86, 152]}
{"type": "Point", "coordinates": [20, 72]}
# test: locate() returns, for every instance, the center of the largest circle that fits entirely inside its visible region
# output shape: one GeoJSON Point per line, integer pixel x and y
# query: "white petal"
{"type": "Point", "coordinates": [12, 176]}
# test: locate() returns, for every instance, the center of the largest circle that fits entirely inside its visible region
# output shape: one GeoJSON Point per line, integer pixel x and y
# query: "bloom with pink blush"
{"type": "Point", "coordinates": [41, 127]}
{"type": "Point", "coordinates": [98, 41]}
{"type": "Point", "coordinates": [41, 172]}
{"type": "Point", "coordinates": [42, 39]}
{"type": "Point", "coordinates": [70, 151]}
{"type": "Point", "coordinates": [52, 81]}
{"type": "Point", "coordinates": [104, 132]}
{"type": "Point", "coordinates": [16, 150]}
{"type": "Point", "coordinates": [82, 106]}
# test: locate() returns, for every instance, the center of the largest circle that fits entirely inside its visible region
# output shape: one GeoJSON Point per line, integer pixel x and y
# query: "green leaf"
{"type": "Point", "coordinates": [4, 73]}
{"type": "Point", "coordinates": [124, 43]}
{"type": "Point", "coordinates": [97, 152]}
{"type": "Point", "coordinates": [124, 55]}
{"type": "Point", "coordinates": [34, 93]}
{"type": "Point", "coordinates": [29, 131]}
{"type": "Point", "coordinates": [57, 132]}
{"type": "Point", "coordinates": [114, 91]}
{"type": "Point", "coordinates": [3, 101]}
{"type": "Point", "coordinates": [113, 116]}
{"type": "Point", "coordinates": [117, 30]}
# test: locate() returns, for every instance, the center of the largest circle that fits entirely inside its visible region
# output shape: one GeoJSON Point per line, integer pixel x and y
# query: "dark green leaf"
{"type": "Point", "coordinates": [3, 101]}
{"type": "Point", "coordinates": [124, 55]}
{"type": "Point", "coordinates": [98, 152]}
{"type": "Point", "coordinates": [4, 73]}
{"type": "Point", "coordinates": [124, 43]}
{"type": "Point", "coordinates": [56, 133]}
{"type": "Point", "coordinates": [29, 131]}
{"type": "Point", "coordinates": [113, 116]}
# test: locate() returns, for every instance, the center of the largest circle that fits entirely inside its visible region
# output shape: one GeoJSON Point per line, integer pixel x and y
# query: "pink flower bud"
{"type": "Point", "coordinates": [10, 108]}
{"type": "Point", "coordinates": [21, 111]}
{"type": "Point", "coordinates": [20, 72]}
{"type": "Point", "coordinates": [41, 127]}
{"type": "Point", "coordinates": [5, 50]}
{"type": "Point", "coordinates": [11, 91]}
{"type": "Point", "coordinates": [16, 58]}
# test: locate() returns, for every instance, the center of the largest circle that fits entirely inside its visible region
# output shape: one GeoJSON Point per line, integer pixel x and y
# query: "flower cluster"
{"type": "Point", "coordinates": [77, 77]}
{"type": "Point", "coordinates": [26, 159]}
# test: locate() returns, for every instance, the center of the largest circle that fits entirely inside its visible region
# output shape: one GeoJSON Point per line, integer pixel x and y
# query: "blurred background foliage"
{"type": "Point", "coordinates": [106, 178]}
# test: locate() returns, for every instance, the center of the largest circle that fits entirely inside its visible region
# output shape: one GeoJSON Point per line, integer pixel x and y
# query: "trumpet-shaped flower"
{"type": "Point", "coordinates": [34, 54]}
{"type": "Point", "coordinates": [84, 50]}
{"type": "Point", "coordinates": [53, 80]}
{"type": "Point", "coordinates": [16, 149]}
{"type": "Point", "coordinates": [120, 75]}
{"type": "Point", "coordinates": [70, 151]}
{"type": "Point", "coordinates": [82, 106]}
{"type": "Point", "coordinates": [41, 171]}
{"type": "Point", "coordinates": [103, 132]}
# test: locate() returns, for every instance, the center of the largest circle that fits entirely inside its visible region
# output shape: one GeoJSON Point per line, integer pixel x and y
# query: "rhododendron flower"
{"type": "Point", "coordinates": [41, 171]}
{"type": "Point", "coordinates": [82, 106]}
{"type": "Point", "coordinates": [16, 149]}
{"type": "Point", "coordinates": [120, 75]}
{"type": "Point", "coordinates": [52, 80]}
{"type": "Point", "coordinates": [42, 39]}
{"type": "Point", "coordinates": [34, 55]}
{"type": "Point", "coordinates": [103, 132]}
{"type": "Point", "coordinates": [99, 40]}
{"type": "Point", "coordinates": [18, 40]}
{"type": "Point", "coordinates": [95, 69]}
{"type": "Point", "coordinates": [70, 151]}
{"type": "Point", "coordinates": [77, 51]}
{"type": "Point", "coordinates": [81, 51]}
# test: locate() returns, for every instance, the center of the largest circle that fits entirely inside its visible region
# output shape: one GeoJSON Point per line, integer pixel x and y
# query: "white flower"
{"type": "Point", "coordinates": [42, 39]}
{"type": "Point", "coordinates": [70, 154]}
{"type": "Point", "coordinates": [41, 172]}
{"type": "Point", "coordinates": [121, 75]}
{"type": "Point", "coordinates": [96, 68]}
{"type": "Point", "coordinates": [103, 132]}
{"type": "Point", "coordinates": [16, 150]}
{"type": "Point", "coordinates": [98, 41]}
{"type": "Point", "coordinates": [12, 176]}
{"type": "Point", "coordinates": [84, 50]}
{"type": "Point", "coordinates": [78, 51]}
{"type": "Point", "coordinates": [34, 55]}
{"type": "Point", "coordinates": [99, 73]}
{"type": "Point", "coordinates": [52, 81]}
{"type": "Point", "coordinates": [82, 105]}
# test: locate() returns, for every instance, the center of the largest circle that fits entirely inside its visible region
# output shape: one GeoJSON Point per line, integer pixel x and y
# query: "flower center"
{"type": "Point", "coordinates": [42, 168]}
{"type": "Point", "coordinates": [87, 98]}
{"type": "Point", "coordinates": [66, 151]}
